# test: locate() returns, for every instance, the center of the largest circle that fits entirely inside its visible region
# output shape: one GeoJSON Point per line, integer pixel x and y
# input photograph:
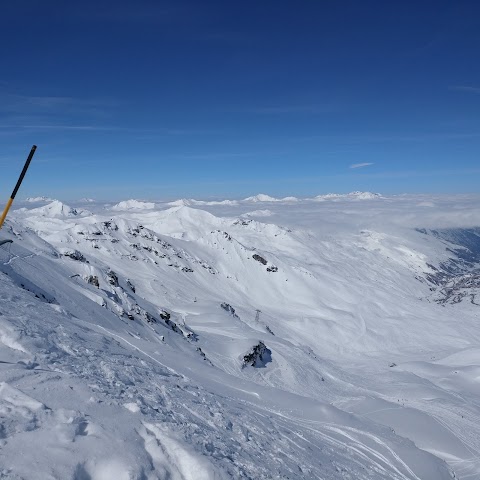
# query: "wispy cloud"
{"type": "Point", "coordinates": [361, 165]}
{"type": "Point", "coordinates": [145, 133]}
{"type": "Point", "coordinates": [28, 128]}
{"type": "Point", "coordinates": [59, 127]}
{"type": "Point", "coordinates": [289, 109]}
{"type": "Point", "coordinates": [388, 138]}
{"type": "Point", "coordinates": [20, 113]}
{"type": "Point", "coordinates": [229, 155]}
{"type": "Point", "coordinates": [17, 103]}
{"type": "Point", "coordinates": [466, 88]}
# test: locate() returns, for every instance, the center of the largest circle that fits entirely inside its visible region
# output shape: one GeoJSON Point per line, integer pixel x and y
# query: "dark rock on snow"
{"type": "Point", "coordinates": [93, 280]}
{"type": "Point", "coordinates": [228, 308]}
{"type": "Point", "coordinates": [75, 255]}
{"type": "Point", "coordinates": [258, 356]}
{"type": "Point", "coordinates": [260, 259]}
{"type": "Point", "coordinates": [112, 278]}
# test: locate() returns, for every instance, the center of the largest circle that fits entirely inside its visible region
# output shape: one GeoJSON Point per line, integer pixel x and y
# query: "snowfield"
{"type": "Point", "coordinates": [336, 337]}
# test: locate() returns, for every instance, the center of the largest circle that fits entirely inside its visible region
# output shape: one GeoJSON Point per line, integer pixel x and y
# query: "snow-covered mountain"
{"type": "Point", "coordinates": [192, 202]}
{"type": "Point", "coordinates": [56, 209]}
{"type": "Point", "coordinates": [133, 204]}
{"type": "Point", "coordinates": [310, 340]}
{"type": "Point", "coordinates": [348, 196]}
{"type": "Point", "coordinates": [261, 197]}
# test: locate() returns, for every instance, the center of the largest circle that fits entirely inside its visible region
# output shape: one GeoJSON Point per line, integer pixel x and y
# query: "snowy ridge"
{"type": "Point", "coordinates": [57, 209]}
{"type": "Point", "coordinates": [123, 339]}
{"type": "Point", "coordinates": [189, 202]}
{"type": "Point", "coordinates": [133, 205]}
{"type": "Point", "coordinates": [261, 197]}
{"type": "Point", "coordinates": [348, 196]}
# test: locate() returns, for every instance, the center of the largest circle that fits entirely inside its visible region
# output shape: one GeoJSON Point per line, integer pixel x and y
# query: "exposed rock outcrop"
{"type": "Point", "coordinates": [131, 286]}
{"type": "Point", "coordinates": [112, 278]}
{"type": "Point", "coordinates": [93, 280]}
{"type": "Point", "coordinates": [228, 308]}
{"type": "Point", "coordinates": [258, 356]}
{"type": "Point", "coordinates": [74, 255]}
{"type": "Point", "coordinates": [260, 259]}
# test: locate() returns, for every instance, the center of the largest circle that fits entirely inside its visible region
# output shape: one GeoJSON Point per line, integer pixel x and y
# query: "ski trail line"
{"type": "Point", "coordinates": [140, 350]}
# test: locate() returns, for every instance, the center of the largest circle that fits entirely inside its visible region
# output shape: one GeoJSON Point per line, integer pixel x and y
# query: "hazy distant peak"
{"type": "Point", "coordinates": [133, 204]}
{"type": "Point", "coordinates": [352, 196]}
{"type": "Point", "coordinates": [190, 201]}
{"type": "Point", "coordinates": [261, 197]}
{"type": "Point", "coordinates": [180, 202]}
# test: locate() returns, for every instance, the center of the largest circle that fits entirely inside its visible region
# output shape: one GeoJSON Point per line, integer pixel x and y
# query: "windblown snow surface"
{"type": "Point", "coordinates": [326, 340]}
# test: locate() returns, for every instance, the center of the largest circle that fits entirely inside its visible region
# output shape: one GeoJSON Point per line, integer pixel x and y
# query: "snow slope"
{"type": "Point", "coordinates": [124, 337]}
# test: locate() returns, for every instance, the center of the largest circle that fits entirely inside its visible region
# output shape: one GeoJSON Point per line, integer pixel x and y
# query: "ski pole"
{"type": "Point", "coordinates": [17, 186]}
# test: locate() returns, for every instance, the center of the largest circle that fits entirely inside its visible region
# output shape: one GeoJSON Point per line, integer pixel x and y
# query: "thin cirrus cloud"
{"type": "Point", "coordinates": [361, 165]}
{"type": "Point", "coordinates": [466, 88]}
{"type": "Point", "coordinates": [288, 109]}
{"type": "Point", "coordinates": [22, 103]}
{"type": "Point", "coordinates": [27, 110]}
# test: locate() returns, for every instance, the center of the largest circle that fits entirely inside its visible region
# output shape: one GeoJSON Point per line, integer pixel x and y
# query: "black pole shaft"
{"type": "Point", "coordinates": [24, 171]}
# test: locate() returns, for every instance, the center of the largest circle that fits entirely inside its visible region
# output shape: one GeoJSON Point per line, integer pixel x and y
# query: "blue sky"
{"type": "Point", "coordinates": [157, 99]}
